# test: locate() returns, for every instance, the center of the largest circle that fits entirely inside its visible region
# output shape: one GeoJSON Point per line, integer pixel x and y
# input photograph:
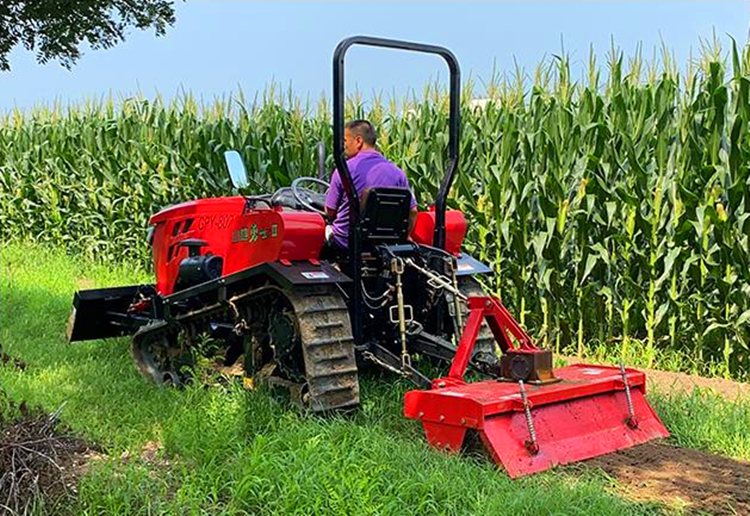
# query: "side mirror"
{"type": "Point", "coordinates": [237, 171]}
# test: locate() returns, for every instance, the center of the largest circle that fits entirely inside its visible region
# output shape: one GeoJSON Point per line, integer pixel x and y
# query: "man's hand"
{"type": "Point", "coordinates": [330, 214]}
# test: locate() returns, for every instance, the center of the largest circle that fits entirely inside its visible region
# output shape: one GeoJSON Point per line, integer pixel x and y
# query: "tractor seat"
{"type": "Point", "coordinates": [385, 215]}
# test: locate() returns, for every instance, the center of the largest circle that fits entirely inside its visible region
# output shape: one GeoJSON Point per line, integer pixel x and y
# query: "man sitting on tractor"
{"type": "Point", "coordinates": [369, 169]}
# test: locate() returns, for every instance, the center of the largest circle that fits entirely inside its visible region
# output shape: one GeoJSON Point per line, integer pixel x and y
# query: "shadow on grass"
{"type": "Point", "coordinates": [106, 397]}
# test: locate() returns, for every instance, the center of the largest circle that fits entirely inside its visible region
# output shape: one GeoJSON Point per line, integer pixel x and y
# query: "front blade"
{"type": "Point", "coordinates": [95, 311]}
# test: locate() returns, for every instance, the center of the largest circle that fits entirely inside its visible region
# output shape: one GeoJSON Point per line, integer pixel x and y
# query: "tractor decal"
{"type": "Point", "coordinates": [253, 233]}
{"type": "Point", "coordinates": [217, 221]}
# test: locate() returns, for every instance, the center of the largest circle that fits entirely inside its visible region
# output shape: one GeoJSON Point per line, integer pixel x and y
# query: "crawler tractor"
{"type": "Point", "coordinates": [243, 278]}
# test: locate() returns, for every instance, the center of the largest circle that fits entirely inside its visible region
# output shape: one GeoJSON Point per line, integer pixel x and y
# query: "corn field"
{"type": "Point", "coordinates": [614, 209]}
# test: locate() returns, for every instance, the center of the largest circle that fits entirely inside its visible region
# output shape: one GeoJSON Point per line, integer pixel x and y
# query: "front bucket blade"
{"type": "Point", "coordinates": [92, 316]}
{"type": "Point", "coordinates": [569, 431]}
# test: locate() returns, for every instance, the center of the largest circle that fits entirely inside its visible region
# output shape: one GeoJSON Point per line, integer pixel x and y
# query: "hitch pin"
{"type": "Point", "coordinates": [531, 445]}
{"type": "Point", "coordinates": [631, 421]}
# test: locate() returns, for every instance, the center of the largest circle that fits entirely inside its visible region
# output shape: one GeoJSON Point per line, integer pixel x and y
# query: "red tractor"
{"type": "Point", "coordinates": [242, 277]}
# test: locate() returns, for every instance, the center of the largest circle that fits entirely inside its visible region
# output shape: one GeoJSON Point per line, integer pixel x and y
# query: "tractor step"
{"type": "Point", "coordinates": [584, 415]}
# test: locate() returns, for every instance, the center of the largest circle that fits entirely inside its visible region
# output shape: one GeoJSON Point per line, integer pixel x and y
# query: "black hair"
{"type": "Point", "coordinates": [364, 129]}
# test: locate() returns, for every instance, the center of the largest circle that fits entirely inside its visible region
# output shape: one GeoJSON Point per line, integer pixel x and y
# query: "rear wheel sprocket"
{"type": "Point", "coordinates": [308, 335]}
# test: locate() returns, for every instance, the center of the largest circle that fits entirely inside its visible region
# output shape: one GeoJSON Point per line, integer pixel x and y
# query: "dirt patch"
{"type": "Point", "coordinates": [40, 460]}
{"type": "Point", "coordinates": [667, 381]}
{"type": "Point", "coordinates": [676, 382]}
{"type": "Point", "coordinates": [150, 454]}
{"type": "Point", "coordinates": [680, 477]}
{"type": "Point", "coordinates": [15, 362]}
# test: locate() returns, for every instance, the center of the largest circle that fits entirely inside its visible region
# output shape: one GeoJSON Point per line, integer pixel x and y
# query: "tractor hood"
{"type": "Point", "coordinates": [198, 207]}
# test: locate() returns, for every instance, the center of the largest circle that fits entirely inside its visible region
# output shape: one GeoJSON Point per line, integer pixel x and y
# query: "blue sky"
{"type": "Point", "coordinates": [216, 46]}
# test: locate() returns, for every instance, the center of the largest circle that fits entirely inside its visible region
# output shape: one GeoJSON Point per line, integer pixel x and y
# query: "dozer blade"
{"type": "Point", "coordinates": [102, 313]}
{"type": "Point", "coordinates": [584, 415]}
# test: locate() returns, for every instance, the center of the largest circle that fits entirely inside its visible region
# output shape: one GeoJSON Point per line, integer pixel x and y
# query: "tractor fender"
{"type": "Point", "coordinates": [304, 273]}
{"type": "Point", "coordinates": [468, 265]}
{"type": "Point", "coordinates": [282, 274]}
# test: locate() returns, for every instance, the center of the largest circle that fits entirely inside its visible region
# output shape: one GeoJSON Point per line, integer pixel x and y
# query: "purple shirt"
{"type": "Point", "coordinates": [369, 169]}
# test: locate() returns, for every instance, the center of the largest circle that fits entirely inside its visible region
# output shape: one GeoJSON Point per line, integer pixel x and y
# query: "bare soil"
{"type": "Point", "coordinates": [666, 381]}
{"type": "Point", "coordinates": [669, 382]}
{"type": "Point", "coordinates": [39, 460]}
{"type": "Point", "coordinates": [150, 454]}
{"type": "Point", "coordinates": [696, 481]}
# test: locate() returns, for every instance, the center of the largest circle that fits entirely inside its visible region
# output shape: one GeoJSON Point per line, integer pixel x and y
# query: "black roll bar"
{"type": "Point", "coordinates": [454, 121]}
{"type": "Point", "coordinates": [338, 150]}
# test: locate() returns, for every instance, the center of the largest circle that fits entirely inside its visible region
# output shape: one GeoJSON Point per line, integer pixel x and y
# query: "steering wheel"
{"type": "Point", "coordinates": [304, 196]}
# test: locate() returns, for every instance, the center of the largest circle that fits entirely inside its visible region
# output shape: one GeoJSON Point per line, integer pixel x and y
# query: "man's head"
{"type": "Point", "coordinates": [358, 135]}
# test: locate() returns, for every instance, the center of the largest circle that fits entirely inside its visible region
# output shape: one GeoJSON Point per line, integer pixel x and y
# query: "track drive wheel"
{"type": "Point", "coordinates": [158, 355]}
{"type": "Point", "coordinates": [307, 347]}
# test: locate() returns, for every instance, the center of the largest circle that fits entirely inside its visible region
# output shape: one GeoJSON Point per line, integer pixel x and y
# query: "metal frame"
{"type": "Point", "coordinates": [355, 243]}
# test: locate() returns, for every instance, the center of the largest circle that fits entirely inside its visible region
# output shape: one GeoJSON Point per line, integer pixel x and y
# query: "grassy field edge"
{"type": "Point", "coordinates": [226, 450]}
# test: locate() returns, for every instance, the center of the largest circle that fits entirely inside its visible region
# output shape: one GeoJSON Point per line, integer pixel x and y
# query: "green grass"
{"type": "Point", "coordinates": [229, 451]}
{"type": "Point", "coordinates": [705, 421]}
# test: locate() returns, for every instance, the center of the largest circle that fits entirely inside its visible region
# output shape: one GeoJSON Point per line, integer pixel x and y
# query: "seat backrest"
{"type": "Point", "coordinates": [385, 215]}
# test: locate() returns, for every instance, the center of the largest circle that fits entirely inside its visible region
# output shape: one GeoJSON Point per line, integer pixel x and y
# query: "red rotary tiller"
{"type": "Point", "coordinates": [554, 417]}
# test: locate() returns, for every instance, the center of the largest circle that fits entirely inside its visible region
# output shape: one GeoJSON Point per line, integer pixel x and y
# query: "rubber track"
{"type": "Point", "coordinates": [326, 339]}
{"type": "Point", "coordinates": [327, 347]}
{"type": "Point", "coordinates": [151, 332]}
{"type": "Point", "coordinates": [187, 325]}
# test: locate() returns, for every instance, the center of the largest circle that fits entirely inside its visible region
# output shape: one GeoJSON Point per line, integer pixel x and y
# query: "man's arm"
{"type": "Point", "coordinates": [333, 197]}
{"type": "Point", "coordinates": [404, 183]}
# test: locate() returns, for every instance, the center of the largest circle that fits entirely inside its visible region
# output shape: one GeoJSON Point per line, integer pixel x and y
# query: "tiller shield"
{"type": "Point", "coordinates": [533, 418]}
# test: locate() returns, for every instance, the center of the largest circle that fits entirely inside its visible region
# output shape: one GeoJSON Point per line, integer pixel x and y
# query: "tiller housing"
{"type": "Point", "coordinates": [531, 418]}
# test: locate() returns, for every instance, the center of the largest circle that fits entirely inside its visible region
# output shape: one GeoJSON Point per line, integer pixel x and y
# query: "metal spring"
{"type": "Point", "coordinates": [631, 421]}
{"type": "Point", "coordinates": [531, 445]}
